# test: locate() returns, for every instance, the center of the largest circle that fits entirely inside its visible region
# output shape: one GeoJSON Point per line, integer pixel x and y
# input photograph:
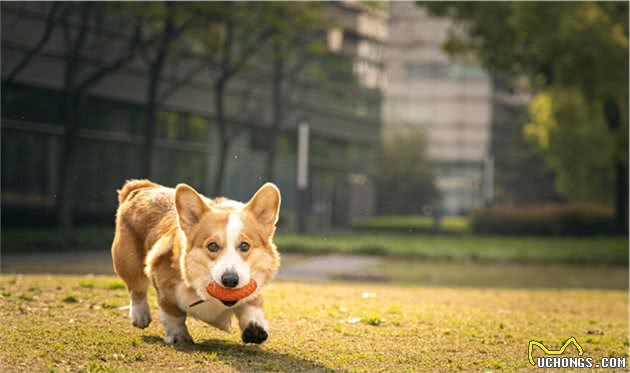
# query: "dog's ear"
{"type": "Point", "coordinates": [189, 204]}
{"type": "Point", "coordinates": [265, 204]}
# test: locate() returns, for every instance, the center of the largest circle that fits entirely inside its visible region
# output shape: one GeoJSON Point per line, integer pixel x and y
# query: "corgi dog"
{"type": "Point", "coordinates": [180, 242]}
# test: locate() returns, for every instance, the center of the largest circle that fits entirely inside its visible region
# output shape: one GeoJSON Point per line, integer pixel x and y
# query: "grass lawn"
{"type": "Point", "coordinates": [460, 247]}
{"type": "Point", "coordinates": [583, 250]}
{"type": "Point", "coordinates": [74, 323]}
{"type": "Point", "coordinates": [496, 275]}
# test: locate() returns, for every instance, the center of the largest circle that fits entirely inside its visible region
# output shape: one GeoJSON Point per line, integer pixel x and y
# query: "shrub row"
{"type": "Point", "coordinates": [552, 219]}
{"type": "Point", "coordinates": [410, 224]}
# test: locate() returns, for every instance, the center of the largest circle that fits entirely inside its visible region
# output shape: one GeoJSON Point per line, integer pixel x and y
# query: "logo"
{"type": "Point", "coordinates": [547, 351]}
{"type": "Point", "coordinates": [554, 360]}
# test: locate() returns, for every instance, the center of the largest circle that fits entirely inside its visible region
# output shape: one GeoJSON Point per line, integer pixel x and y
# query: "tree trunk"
{"type": "Point", "coordinates": [220, 170]}
{"type": "Point", "coordinates": [152, 105]}
{"type": "Point", "coordinates": [613, 120]}
{"type": "Point", "coordinates": [67, 166]}
{"type": "Point", "coordinates": [621, 196]}
{"type": "Point", "coordinates": [149, 138]}
{"type": "Point", "coordinates": [73, 98]}
{"type": "Point", "coordinates": [150, 126]}
{"type": "Point", "coordinates": [224, 140]}
{"type": "Point", "coordinates": [276, 97]}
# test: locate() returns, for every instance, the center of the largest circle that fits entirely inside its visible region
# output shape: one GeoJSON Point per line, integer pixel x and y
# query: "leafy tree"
{"type": "Point", "coordinates": [229, 41]}
{"type": "Point", "coordinates": [521, 175]}
{"type": "Point", "coordinates": [297, 41]}
{"type": "Point", "coordinates": [574, 139]}
{"type": "Point", "coordinates": [575, 55]}
{"type": "Point", "coordinates": [167, 23]}
{"type": "Point", "coordinates": [403, 175]}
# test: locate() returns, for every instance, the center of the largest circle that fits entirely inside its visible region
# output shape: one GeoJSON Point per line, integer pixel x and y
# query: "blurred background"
{"type": "Point", "coordinates": [464, 144]}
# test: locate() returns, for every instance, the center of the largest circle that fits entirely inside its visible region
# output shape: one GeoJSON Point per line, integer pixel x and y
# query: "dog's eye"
{"type": "Point", "coordinates": [213, 247]}
{"type": "Point", "coordinates": [244, 246]}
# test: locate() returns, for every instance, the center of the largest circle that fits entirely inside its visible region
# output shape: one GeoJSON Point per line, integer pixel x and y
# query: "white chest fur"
{"type": "Point", "coordinates": [212, 311]}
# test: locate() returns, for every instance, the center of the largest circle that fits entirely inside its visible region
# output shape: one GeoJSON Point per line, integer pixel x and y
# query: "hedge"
{"type": "Point", "coordinates": [410, 224]}
{"type": "Point", "coordinates": [551, 219]}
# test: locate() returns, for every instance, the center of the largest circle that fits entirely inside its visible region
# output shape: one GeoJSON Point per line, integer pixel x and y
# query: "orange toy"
{"type": "Point", "coordinates": [230, 295]}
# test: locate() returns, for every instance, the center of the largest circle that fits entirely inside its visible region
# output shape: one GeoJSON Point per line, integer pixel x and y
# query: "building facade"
{"type": "Point", "coordinates": [345, 122]}
{"type": "Point", "coordinates": [450, 101]}
{"type": "Point", "coordinates": [360, 32]}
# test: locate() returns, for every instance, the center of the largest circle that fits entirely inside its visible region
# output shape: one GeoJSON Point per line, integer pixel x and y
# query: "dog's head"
{"type": "Point", "coordinates": [227, 242]}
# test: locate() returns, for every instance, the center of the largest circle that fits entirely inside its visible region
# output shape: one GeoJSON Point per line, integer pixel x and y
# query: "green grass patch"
{"type": "Point", "coordinates": [25, 297]}
{"type": "Point", "coordinates": [313, 328]}
{"type": "Point", "coordinates": [465, 247]}
{"type": "Point", "coordinates": [411, 224]}
{"type": "Point", "coordinates": [495, 275]}
{"type": "Point", "coordinates": [87, 284]}
{"type": "Point", "coordinates": [115, 285]}
{"type": "Point", "coordinates": [70, 299]}
{"type": "Point", "coordinates": [110, 304]}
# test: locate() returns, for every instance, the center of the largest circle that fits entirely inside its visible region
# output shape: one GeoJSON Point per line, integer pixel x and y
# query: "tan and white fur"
{"type": "Point", "coordinates": [179, 241]}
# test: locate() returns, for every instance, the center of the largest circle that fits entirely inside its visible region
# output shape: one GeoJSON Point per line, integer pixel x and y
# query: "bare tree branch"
{"type": "Point", "coordinates": [135, 44]}
{"type": "Point", "coordinates": [177, 31]}
{"type": "Point", "coordinates": [51, 22]}
{"type": "Point", "coordinates": [144, 55]}
{"type": "Point", "coordinates": [66, 29]}
{"type": "Point", "coordinates": [183, 81]}
{"type": "Point", "coordinates": [73, 49]}
{"type": "Point", "coordinates": [249, 51]}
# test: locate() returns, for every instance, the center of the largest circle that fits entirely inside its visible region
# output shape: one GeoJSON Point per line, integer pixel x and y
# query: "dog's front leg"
{"type": "Point", "coordinates": [174, 322]}
{"type": "Point", "coordinates": [252, 321]}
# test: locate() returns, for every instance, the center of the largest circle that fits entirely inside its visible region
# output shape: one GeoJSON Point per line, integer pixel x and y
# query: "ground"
{"type": "Point", "coordinates": [78, 323]}
{"type": "Point", "coordinates": [409, 303]}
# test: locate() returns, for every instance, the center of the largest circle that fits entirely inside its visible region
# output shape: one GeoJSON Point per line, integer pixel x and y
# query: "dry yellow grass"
{"type": "Point", "coordinates": [73, 323]}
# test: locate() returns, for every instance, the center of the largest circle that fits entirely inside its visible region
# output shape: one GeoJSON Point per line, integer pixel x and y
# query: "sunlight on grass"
{"type": "Point", "coordinates": [115, 285]}
{"type": "Point", "coordinates": [312, 328]}
{"type": "Point", "coordinates": [87, 284]}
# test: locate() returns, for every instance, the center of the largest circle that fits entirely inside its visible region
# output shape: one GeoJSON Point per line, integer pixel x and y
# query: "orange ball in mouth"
{"type": "Point", "coordinates": [231, 295]}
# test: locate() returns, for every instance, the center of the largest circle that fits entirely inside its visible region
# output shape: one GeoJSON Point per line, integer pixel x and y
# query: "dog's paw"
{"type": "Point", "coordinates": [140, 314]}
{"type": "Point", "coordinates": [180, 337]}
{"type": "Point", "coordinates": [254, 333]}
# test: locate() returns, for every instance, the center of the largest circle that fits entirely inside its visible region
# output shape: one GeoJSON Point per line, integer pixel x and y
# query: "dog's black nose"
{"type": "Point", "coordinates": [229, 279]}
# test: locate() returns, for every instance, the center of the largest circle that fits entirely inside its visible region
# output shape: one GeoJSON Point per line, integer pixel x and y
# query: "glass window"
{"type": "Point", "coordinates": [259, 139]}
{"type": "Point", "coordinates": [442, 71]}
{"type": "Point", "coordinates": [287, 144]}
{"type": "Point", "coordinates": [427, 71]}
{"type": "Point", "coordinates": [20, 102]}
{"type": "Point", "coordinates": [174, 125]}
{"type": "Point", "coordinates": [108, 115]}
{"type": "Point", "coordinates": [405, 110]}
{"type": "Point", "coordinates": [319, 147]}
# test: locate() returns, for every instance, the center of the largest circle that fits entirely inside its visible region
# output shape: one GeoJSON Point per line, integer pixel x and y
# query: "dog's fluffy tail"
{"type": "Point", "coordinates": [132, 185]}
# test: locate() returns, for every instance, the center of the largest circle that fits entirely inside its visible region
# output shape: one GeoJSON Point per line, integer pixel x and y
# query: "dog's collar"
{"type": "Point", "coordinates": [225, 303]}
{"type": "Point", "coordinates": [196, 303]}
